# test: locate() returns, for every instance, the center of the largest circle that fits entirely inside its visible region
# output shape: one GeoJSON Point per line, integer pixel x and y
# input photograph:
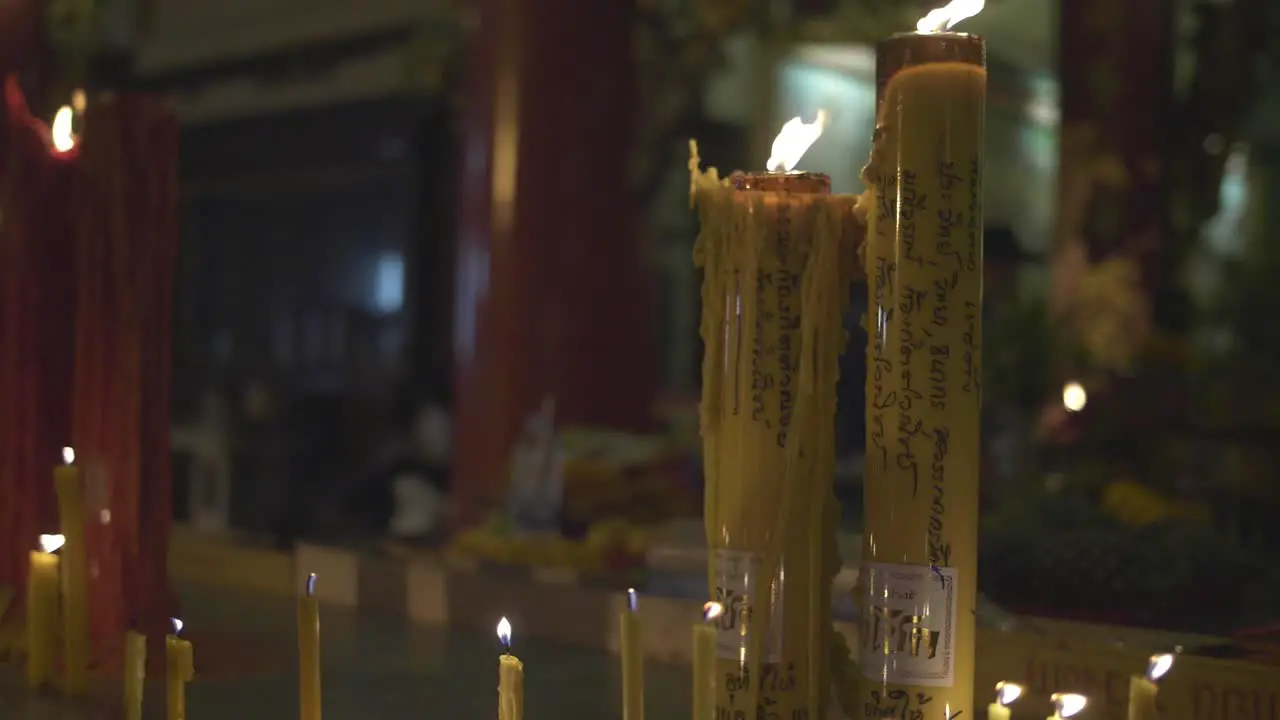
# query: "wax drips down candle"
{"type": "Point", "coordinates": [1143, 688]}
{"type": "Point", "coordinates": [75, 573]}
{"type": "Point", "coordinates": [779, 253]}
{"type": "Point", "coordinates": [42, 610]}
{"type": "Point", "coordinates": [924, 370]}
{"type": "Point", "coordinates": [510, 678]}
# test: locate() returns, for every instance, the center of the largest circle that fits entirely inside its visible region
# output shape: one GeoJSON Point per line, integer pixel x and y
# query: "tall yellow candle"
{"type": "Point", "coordinates": [309, 652]}
{"type": "Point", "coordinates": [704, 661]}
{"type": "Point", "coordinates": [75, 574]}
{"type": "Point", "coordinates": [510, 678]}
{"type": "Point", "coordinates": [42, 610]}
{"type": "Point", "coordinates": [1067, 705]}
{"type": "Point", "coordinates": [179, 669]}
{"type": "Point", "coordinates": [632, 660]}
{"type": "Point", "coordinates": [924, 372]}
{"type": "Point", "coordinates": [1006, 694]}
{"type": "Point", "coordinates": [778, 258]}
{"type": "Point", "coordinates": [1143, 688]}
{"type": "Point", "coordinates": [135, 674]}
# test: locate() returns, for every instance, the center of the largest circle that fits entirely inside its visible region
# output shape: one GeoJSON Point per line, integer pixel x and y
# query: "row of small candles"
{"type": "Point", "coordinates": [43, 593]}
{"type": "Point", "coordinates": [44, 600]}
{"type": "Point", "coordinates": [1142, 688]}
{"type": "Point", "coordinates": [631, 651]}
{"type": "Point", "coordinates": [1142, 695]}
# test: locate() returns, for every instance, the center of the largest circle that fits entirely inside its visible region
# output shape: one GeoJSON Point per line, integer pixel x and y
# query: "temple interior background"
{"type": "Point", "coordinates": [435, 287]}
{"type": "Point", "coordinates": [328, 252]}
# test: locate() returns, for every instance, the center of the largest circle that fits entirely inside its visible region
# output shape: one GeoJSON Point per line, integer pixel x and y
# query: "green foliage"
{"type": "Point", "coordinates": [1058, 553]}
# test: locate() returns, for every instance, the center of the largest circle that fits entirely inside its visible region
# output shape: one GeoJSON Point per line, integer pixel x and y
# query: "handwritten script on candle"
{"type": "Point", "coordinates": [924, 389]}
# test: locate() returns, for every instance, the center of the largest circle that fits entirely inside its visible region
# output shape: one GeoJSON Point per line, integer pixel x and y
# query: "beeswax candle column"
{"type": "Point", "coordinates": [309, 652]}
{"type": "Point", "coordinates": [924, 376]}
{"type": "Point", "coordinates": [135, 673]}
{"type": "Point", "coordinates": [42, 610]}
{"type": "Point", "coordinates": [179, 669]}
{"type": "Point", "coordinates": [75, 574]}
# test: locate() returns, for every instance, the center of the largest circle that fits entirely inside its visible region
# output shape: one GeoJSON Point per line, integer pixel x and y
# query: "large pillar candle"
{"type": "Point", "coordinates": [776, 275]}
{"type": "Point", "coordinates": [924, 368]}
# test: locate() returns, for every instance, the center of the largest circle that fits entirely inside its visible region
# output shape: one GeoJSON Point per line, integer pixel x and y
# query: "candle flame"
{"type": "Point", "coordinates": [633, 601]}
{"type": "Point", "coordinates": [711, 611]}
{"type": "Point", "coordinates": [51, 543]}
{"type": "Point", "coordinates": [793, 140]}
{"type": "Point", "coordinates": [1159, 665]}
{"type": "Point", "coordinates": [1068, 704]}
{"type": "Point", "coordinates": [311, 585]}
{"type": "Point", "coordinates": [68, 456]}
{"type": "Point", "coordinates": [60, 131]}
{"type": "Point", "coordinates": [946, 17]}
{"type": "Point", "coordinates": [1007, 692]}
{"type": "Point", "coordinates": [1074, 397]}
{"type": "Point", "coordinates": [177, 625]}
{"type": "Point", "coordinates": [504, 632]}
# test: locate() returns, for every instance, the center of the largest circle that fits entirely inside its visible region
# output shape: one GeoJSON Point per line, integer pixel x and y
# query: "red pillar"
{"type": "Point", "coordinates": [550, 293]}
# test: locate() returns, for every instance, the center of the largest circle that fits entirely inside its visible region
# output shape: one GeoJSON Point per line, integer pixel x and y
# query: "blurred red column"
{"type": "Point", "coordinates": [551, 296]}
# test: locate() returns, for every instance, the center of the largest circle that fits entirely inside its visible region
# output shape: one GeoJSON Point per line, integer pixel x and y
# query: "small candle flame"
{"type": "Point", "coordinates": [51, 543]}
{"type": "Point", "coordinates": [1068, 704]}
{"type": "Point", "coordinates": [311, 585]}
{"type": "Point", "coordinates": [60, 131]}
{"type": "Point", "coordinates": [1007, 692]}
{"type": "Point", "coordinates": [1159, 665]}
{"type": "Point", "coordinates": [68, 456]}
{"type": "Point", "coordinates": [711, 611]}
{"type": "Point", "coordinates": [78, 100]}
{"type": "Point", "coordinates": [633, 602]}
{"type": "Point", "coordinates": [1074, 397]}
{"type": "Point", "coordinates": [504, 633]}
{"type": "Point", "coordinates": [946, 17]}
{"type": "Point", "coordinates": [793, 140]}
{"type": "Point", "coordinates": [177, 625]}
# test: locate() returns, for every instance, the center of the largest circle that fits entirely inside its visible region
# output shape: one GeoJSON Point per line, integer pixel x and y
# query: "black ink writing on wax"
{"type": "Point", "coordinates": [761, 379]}
{"type": "Point", "coordinates": [786, 303]}
{"type": "Point", "coordinates": [912, 337]}
{"type": "Point", "coordinates": [939, 550]}
{"type": "Point", "coordinates": [900, 704]}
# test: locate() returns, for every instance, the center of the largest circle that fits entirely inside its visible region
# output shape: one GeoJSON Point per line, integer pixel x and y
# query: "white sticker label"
{"type": "Point", "coordinates": [737, 575]}
{"type": "Point", "coordinates": [908, 624]}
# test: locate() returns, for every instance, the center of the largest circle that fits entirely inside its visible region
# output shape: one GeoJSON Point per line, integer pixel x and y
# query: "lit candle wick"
{"type": "Point", "coordinates": [68, 456]}
{"type": "Point", "coordinates": [711, 611]}
{"type": "Point", "coordinates": [504, 633]}
{"type": "Point", "coordinates": [311, 585]}
{"type": "Point", "coordinates": [633, 602]}
{"type": "Point", "coordinates": [177, 625]}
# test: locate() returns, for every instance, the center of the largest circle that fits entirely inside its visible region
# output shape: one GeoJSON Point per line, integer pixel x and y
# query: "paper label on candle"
{"type": "Point", "coordinates": [737, 575]}
{"type": "Point", "coordinates": [908, 624]}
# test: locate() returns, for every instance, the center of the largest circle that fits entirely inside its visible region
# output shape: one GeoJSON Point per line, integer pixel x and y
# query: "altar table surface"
{"type": "Point", "coordinates": [376, 667]}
